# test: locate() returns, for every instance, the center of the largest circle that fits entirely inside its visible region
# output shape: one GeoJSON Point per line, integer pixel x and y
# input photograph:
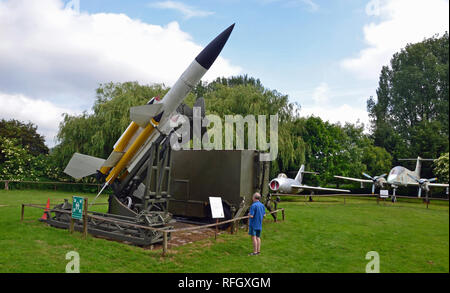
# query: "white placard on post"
{"type": "Point", "coordinates": [216, 207]}
{"type": "Point", "coordinates": [384, 193]}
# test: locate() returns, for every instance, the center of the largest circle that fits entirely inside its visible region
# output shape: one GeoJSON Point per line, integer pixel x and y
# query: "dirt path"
{"type": "Point", "coordinates": [183, 238]}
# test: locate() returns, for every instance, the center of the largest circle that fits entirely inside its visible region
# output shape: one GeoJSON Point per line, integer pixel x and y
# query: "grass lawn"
{"type": "Point", "coordinates": [323, 236]}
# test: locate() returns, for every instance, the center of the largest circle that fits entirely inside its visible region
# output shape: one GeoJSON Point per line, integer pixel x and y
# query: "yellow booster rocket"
{"type": "Point", "coordinates": [148, 121]}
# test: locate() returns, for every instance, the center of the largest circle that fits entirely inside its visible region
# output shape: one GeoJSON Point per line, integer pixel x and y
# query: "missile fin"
{"type": "Point", "coordinates": [113, 158]}
{"type": "Point", "coordinates": [142, 114]}
{"type": "Point", "coordinates": [81, 165]}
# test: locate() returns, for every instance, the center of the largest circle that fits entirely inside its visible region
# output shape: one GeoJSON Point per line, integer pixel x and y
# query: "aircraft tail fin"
{"type": "Point", "coordinates": [81, 165]}
{"type": "Point", "coordinates": [419, 161]}
{"type": "Point", "coordinates": [418, 167]}
{"type": "Point", "coordinates": [299, 176]}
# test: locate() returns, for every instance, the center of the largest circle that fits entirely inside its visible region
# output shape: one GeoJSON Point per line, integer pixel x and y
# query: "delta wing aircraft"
{"type": "Point", "coordinates": [283, 184]}
{"type": "Point", "coordinates": [400, 176]}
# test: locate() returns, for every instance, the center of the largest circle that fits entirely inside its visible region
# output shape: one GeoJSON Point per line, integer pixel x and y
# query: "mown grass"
{"type": "Point", "coordinates": [323, 236]}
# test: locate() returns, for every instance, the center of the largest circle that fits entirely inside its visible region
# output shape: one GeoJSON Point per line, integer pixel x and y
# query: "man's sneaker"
{"type": "Point", "coordinates": [253, 253]}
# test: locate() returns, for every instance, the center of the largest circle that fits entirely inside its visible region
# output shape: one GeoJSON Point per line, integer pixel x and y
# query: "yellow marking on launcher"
{"type": "Point", "coordinates": [123, 142]}
{"type": "Point", "coordinates": [131, 151]}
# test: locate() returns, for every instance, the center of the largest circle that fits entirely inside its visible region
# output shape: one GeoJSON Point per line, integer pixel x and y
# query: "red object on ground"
{"type": "Point", "coordinates": [47, 208]}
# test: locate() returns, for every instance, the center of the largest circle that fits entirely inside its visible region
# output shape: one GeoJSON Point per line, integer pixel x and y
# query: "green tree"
{"type": "Point", "coordinates": [24, 134]}
{"type": "Point", "coordinates": [243, 95]}
{"type": "Point", "coordinates": [441, 168]}
{"type": "Point", "coordinates": [411, 116]}
{"type": "Point", "coordinates": [20, 164]}
{"type": "Point", "coordinates": [330, 149]}
{"type": "Point", "coordinates": [377, 160]}
{"type": "Point", "coordinates": [17, 160]}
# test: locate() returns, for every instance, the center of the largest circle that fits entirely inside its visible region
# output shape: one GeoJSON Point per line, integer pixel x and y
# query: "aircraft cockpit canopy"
{"type": "Point", "coordinates": [396, 170]}
{"type": "Point", "coordinates": [282, 175]}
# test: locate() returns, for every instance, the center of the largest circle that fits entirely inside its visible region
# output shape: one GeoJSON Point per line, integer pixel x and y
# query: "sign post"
{"type": "Point", "coordinates": [384, 193]}
{"type": "Point", "coordinates": [77, 207]}
{"type": "Point", "coordinates": [77, 211]}
{"type": "Point", "coordinates": [216, 211]}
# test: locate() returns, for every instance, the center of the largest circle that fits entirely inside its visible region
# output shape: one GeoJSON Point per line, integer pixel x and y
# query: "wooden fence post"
{"type": "Point", "coordinates": [215, 231]}
{"type": "Point", "coordinates": [164, 243]}
{"type": "Point", "coordinates": [72, 221]}
{"type": "Point", "coordinates": [23, 210]}
{"type": "Point", "coordinates": [85, 218]}
{"type": "Point", "coordinates": [282, 214]}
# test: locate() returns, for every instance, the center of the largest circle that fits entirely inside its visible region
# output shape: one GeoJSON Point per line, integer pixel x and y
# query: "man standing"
{"type": "Point", "coordinates": [257, 213]}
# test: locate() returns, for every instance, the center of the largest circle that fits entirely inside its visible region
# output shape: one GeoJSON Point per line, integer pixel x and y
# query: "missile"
{"type": "Point", "coordinates": [148, 121]}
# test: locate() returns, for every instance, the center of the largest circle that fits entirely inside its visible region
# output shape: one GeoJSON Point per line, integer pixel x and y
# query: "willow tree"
{"type": "Point", "coordinates": [96, 133]}
{"type": "Point", "coordinates": [241, 95]}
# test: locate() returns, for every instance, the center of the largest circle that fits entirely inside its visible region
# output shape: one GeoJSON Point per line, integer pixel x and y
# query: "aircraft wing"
{"type": "Point", "coordinates": [316, 188]}
{"type": "Point", "coordinates": [354, 179]}
{"type": "Point", "coordinates": [438, 184]}
{"type": "Point", "coordinates": [430, 184]}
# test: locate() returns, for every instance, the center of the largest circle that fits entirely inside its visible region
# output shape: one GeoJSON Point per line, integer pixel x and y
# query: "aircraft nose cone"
{"type": "Point", "coordinates": [209, 54]}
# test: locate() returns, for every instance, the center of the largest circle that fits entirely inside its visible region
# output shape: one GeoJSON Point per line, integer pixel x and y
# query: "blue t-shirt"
{"type": "Point", "coordinates": [257, 210]}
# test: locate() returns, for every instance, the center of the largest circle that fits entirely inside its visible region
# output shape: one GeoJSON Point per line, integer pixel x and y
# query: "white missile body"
{"type": "Point", "coordinates": [181, 89]}
{"type": "Point", "coordinates": [191, 76]}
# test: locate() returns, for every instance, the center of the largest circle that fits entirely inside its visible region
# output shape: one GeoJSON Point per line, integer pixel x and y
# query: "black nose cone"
{"type": "Point", "coordinates": [209, 54]}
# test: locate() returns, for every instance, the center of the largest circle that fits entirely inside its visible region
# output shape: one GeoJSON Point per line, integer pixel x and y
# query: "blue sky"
{"type": "Point", "coordinates": [326, 55]}
{"type": "Point", "coordinates": [290, 47]}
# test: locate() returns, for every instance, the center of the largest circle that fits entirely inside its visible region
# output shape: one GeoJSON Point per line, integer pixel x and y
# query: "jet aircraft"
{"type": "Point", "coordinates": [400, 176]}
{"type": "Point", "coordinates": [283, 184]}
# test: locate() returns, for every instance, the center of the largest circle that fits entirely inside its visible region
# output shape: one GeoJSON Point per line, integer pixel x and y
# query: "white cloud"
{"type": "Point", "coordinates": [400, 22]}
{"type": "Point", "coordinates": [321, 93]}
{"type": "Point", "coordinates": [313, 6]}
{"type": "Point", "coordinates": [186, 10]}
{"type": "Point", "coordinates": [49, 53]}
{"type": "Point", "coordinates": [47, 50]}
{"type": "Point", "coordinates": [324, 107]}
{"type": "Point", "coordinates": [44, 114]}
{"type": "Point", "coordinates": [341, 114]}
